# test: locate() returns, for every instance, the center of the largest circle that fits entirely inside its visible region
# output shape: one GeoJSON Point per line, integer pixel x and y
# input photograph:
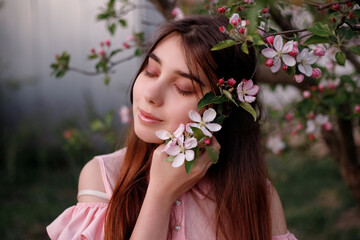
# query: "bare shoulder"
{"type": "Point", "coordinates": [90, 179]}
{"type": "Point", "coordinates": [277, 213]}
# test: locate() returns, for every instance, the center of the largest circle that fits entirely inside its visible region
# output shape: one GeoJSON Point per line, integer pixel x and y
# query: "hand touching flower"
{"type": "Point", "coordinates": [182, 151]}
{"type": "Point", "coordinates": [166, 135]}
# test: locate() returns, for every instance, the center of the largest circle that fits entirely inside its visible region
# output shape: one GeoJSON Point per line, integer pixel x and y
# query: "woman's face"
{"type": "Point", "coordinates": [164, 93]}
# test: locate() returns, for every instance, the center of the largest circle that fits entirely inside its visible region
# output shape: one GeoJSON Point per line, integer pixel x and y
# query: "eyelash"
{"type": "Point", "coordinates": [179, 90]}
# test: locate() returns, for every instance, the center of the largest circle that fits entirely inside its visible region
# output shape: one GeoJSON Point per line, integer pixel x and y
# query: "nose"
{"type": "Point", "coordinates": [154, 93]}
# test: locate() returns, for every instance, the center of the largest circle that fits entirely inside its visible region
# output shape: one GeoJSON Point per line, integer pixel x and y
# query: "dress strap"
{"type": "Point", "coordinates": [93, 193]}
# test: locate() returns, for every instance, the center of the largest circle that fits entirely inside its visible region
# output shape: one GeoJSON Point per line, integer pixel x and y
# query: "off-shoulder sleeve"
{"type": "Point", "coordinates": [287, 236]}
{"type": "Point", "coordinates": [84, 221]}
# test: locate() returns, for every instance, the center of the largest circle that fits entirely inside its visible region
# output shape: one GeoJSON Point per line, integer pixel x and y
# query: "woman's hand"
{"type": "Point", "coordinates": [168, 182]}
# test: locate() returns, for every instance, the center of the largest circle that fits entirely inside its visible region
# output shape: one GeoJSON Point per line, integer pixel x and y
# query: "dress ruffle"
{"type": "Point", "coordinates": [287, 236]}
{"type": "Point", "coordinates": [85, 221]}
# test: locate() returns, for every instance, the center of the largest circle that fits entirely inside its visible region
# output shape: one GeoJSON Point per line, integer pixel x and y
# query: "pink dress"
{"type": "Point", "coordinates": [86, 220]}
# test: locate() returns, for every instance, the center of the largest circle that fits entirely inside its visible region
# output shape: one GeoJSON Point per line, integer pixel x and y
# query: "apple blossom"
{"type": "Point", "coordinates": [101, 52]}
{"type": "Point", "coordinates": [305, 59]}
{"type": "Point", "coordinates": [357, 108]}
{"type": "Point", "coordinates": [280, 52]}
{"type": "Point", "coordinates": [275, 144]}
{"type": "Point", "coordinates": [306, 94]}
{"type": "Point", "coordinates": [107, 42]}
{"type": "Point", "coordinates": [183, 150]}
{"type": "Point", "coordinates": [247, 90]}
{"type": "Point", "coordinates": [172, 137]}
{"type": "Point", "coordinates": [316, 73]}
{"type": "Point", "coordinates": [204, 123]}
{"type": "Point", "coordinates": [299, 78]}
{"type": "Point", "coordinates": [319, 51]}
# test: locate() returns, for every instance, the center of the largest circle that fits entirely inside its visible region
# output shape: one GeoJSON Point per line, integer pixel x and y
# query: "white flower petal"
{"type": "Point", "coordinates": [248, 84]}
{"type": "Point", "coordinates": [169, 144]}
{"type": "Point", "coordinates": [301, 68]}
{"type": "Point", "coordinates": [254, 90]}
{"type": "Point", "coordinates": [179, 130]}
{"type": "Point", "coordinates": [189, 155]}
{"type": "Point", "coordinates": [310, 126]}
{"type": "Point", "coordinates": [162, 134]}
{"type": "Point", "coordinates": [276, 66]}
{"type": "Point", "coordinates": [180, 140]}
{"type": "Point", "coordinates": [241, 97]}
{"type": "Point", "coordinates": [190, 143]}
{"type": "Point", "coordinates": [195, 116]}
{"type": "Point", "coordinates": [240, 86]}
{"type": "Point", "coordinates": [250, 99]}
{"type": "Point", "coordinates": [179, 160]}
{"type": "Point", "coordinates": [269, 53]}
{"type": "Point", "coordinates": [308, 70]}
{"type": "Point", "coordinates": [214, 127]}
{"type": "Point", "coordinates": [206, 132]}
{"type": "Point", "coordinates": [311, 59]}
{"type": "Point", "coordinates": [288, 60]}
{"type": "Point", "coordinates": [278, 43]}
{"type": "Point", "coordinates": [173, 150]}
{"type": "Point", "coordinates": [209, 115]}
{"type": "Point", "coordinates": [288, 47]}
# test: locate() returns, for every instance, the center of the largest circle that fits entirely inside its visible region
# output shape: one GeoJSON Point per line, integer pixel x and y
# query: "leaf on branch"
{"type": "Point", "coordinates": [213, 155]}
{"type": "Point", "coordinates": [115, 52]}
{"type": "Point", "coordinates": [246, 106]}
{"type": "Point", "coordinates": [123, 22]}
{"type": "Point", "coordinates": [244, 48]}
{"type": "Point", "coordinates": [112, 28]}
{"type": "Point", "coordinates": [198, 134]}
{"type": "Point", "coordinates": [223, 44]}
{"type": "Point", "coordinates": [210, 98]}
{"type": "Point", "coordinates": [355, 49]}
{"type": "Point", "coordinates": [345, 33]}
{"type": "Point", "coordinates": [189, 165]}
{"type": "Point", "coordinates": [340, 58]}
{"type": "Point", "coordinates": [315, 40]}
{"type": "Point", "coordinates": [319, 29]}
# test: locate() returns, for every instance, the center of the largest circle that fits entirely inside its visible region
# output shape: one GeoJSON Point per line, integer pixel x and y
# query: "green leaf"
{"type": "Point", "coordinates": [258, 40]}
{"type": "Point", "coordinates": [189, 165]}
{"type": "Point", "coordinates": [60, 74]}
{"type": "Point", "coordinates": [123, 22]}
{"type": "Point", "coordinates": [107, 80]}
{"type": "Point", "coordinates": [210, 98]}
{"type": "Point", "coordinates": [54, 66]}
{"type": "Point", "coordinates": [97, 125]}
{"type": "Point", "coordinates": [244, 48]}
{"type": "Point", "coordinates": [198, 134]}
{"type": "Point", "coordinates": [170, 158]}
{"type": "Point", "coordinates": [115, 52]}
{"type": "Point", "coordinates": [223, 44]}
{"type": "Point", "coordinates": [355, 49]}
{"type": "Point", "coordinates": [219, 119]}
{"type": "Point", "coordinates": [228, 95]}
{"type": "Point", "coordinates": [316, 39]}
{"type": "Point", "coordinates": [213, 155]}
{"type": "Point", "coordinates": [138, 52]}
{"type": "Point", "coordinates": [340, 58]}
{"type": "Point", "coordinates": [112, 28]}
{"type": "Point", "coordinates": [345, 33]}
{"type": "Point", "coordinates": [92, 56]}
{"type": "Point", "coordinates": [246, 106]}
{"type": "Point", "coordinates": [319, 29]}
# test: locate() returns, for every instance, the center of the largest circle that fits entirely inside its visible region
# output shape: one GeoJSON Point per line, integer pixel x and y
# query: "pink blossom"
{"type": "Point", "coordinates": [101, 52]}
{"type": "Point", "coordinates": [126, 45]}
{"type": "Point", "coordinates": [222, 29]}
{"type": "Point", "coordinates": [305, 59]}
{"type": "Point", "coordinates": [269, 62]}
{"type": "Point", "coordinates": [316, 73]}
{"type": "Point", "coordinates": [207, 141]}
{"type": "Point", "coordinates": [299, 78]}
{"type": "Point", "coordinates": [92, 50]}
{"type": "Point", "coordinates": [357, 108]}
{"type": "Point", "coordinates": [294, 51]}
{"type": "Point", "coordinates": [270, 40]}
{"type": "Point", "coordinates": [177, 13]}
{"type": "Point", "coordinates": [330, 66]}
{"type": "Point", "coordinates": [289, 116]}
{"type": "Point", "coordinates": [231, 82]}
{"type": "Point", "coordinates": [130, 38]}
{"type": "Point", "coordinates": [280, 52]}
{"type": "Point", "coordinates": [299, 126]}
{"type": "Point", "coordinates": [319, 51]}
{"type": "Point", "coordinates": [173, 137]}
{"type": "Point", "coordinates": [235, 19]}
{"type": "Point", "coordinates": [321, 87]}
{"type": "Point", "coordinates": [327, 126]}
{"type": "Point", "coordinates": [221, 10]}
{"type": "Point", "coordinates": [221, 81]}
{"type": "Point", "coordinates": [246, 91]}
{"type": "Point", "coordinates": [306, 94]}
{"type": "Point", "coordinates": [107, 42]}
{"type": "Point", "coordinates": [284, 67]}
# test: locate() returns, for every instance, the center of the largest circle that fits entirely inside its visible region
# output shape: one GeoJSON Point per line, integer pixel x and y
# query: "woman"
{"type": "Point", "coordinates": [134, 194]}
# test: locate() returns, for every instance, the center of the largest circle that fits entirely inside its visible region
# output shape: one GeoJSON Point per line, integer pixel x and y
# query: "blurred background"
{"type": "Point", "coordinates": [51, 127]}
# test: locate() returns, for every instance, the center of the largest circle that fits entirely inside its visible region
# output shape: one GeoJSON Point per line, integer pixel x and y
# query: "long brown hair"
{"type": "Point", "coordinates": [239, 179]}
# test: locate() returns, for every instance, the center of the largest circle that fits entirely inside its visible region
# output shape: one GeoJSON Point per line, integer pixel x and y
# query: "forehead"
{"type": "Point", "coordinates": [172, 54]}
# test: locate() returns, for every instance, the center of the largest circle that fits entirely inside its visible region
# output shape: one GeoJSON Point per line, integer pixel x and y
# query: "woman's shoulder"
{"type": "Point", "coordinates": [276, 212]}
{"type": "Point", "coordinates": [100, 174]}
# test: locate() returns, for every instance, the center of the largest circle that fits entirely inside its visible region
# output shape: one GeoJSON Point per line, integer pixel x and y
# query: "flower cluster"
{"type": "Point", "coordinates": [184, 143]}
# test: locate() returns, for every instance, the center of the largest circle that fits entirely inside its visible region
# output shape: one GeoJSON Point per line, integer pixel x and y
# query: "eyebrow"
{"type": "Point", "coordinates": [178, 72]}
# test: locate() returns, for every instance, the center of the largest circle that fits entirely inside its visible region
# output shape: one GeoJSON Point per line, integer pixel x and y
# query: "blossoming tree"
{"type": "Point", "coordinates": [300, 43]}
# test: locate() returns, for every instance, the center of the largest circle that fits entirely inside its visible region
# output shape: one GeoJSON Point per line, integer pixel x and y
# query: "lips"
{"type": "Point", "coordinates": [147, 117]}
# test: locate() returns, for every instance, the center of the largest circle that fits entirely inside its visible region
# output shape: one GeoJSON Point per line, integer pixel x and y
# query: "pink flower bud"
{"type": "Point", "coordinates": [311, 137]}
{"type": "Point", "coordinates": [126, 45]}
{"type": "Point", "coordinates": [316, 73]}
{"type": "Point", "coordinates": [270, 40]}
{"type": "Point", "coordinates": [311, 115]}
{"type": "Point", "coordinates": [289, 116]}
{"type": "Point", "coordinates": [207, 141]}
{"type": "Point", "coordinates": [319, 51]}
{"type": "Point", "coordinates": [306, 94]}
{"type": "Point", "coordinates": [331, 86]}
{"type": "Point", "coordinates": [335, 6]}
{"type": "Point", "coordinates": [295, 43]}
{"type": "Point", "coordinates": [321, 87]}
{"type": "Point", "coordinates": [221, 10]}
{"type": "Point", "coordinates": [299, 126]}
{"type": "Point", "coordinates": [299, 78]}
{"type": "Point", "coordinates": [101, 52]}
{"type": "Point", "coordinates": [269, 62]}
{"type": "Point", "coordinates": [294, 51]}
{"type": "Point", "coordinates": [241, 31]}
{"type": "Point", "coordinates": [231, 82]}
{"type": "Point", "coordinates": [234, 22]}
{"type": "Point", "coordinates": [175, 11]}
{"type": "Point", "coordinates": [265, 10]}
{"type": "Point", "coordinates": [284, 67]}
{"type": "Point", "coordinates": [327, 126]}
{"type": "Point", "coordinates": [221, 81]}
{"type": "Point", "coordinates": [107, 42]}
{"type": "Point", "coordinates": [333, 19]}
{"type": "Point", "coordinates": [357, 108]}
{"type": "Point", "coordinates": [92, 50]}
{"type": "Point", "coordinates": [222, 29]}
{"type": "Point", "coordinates": [294, 132]}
